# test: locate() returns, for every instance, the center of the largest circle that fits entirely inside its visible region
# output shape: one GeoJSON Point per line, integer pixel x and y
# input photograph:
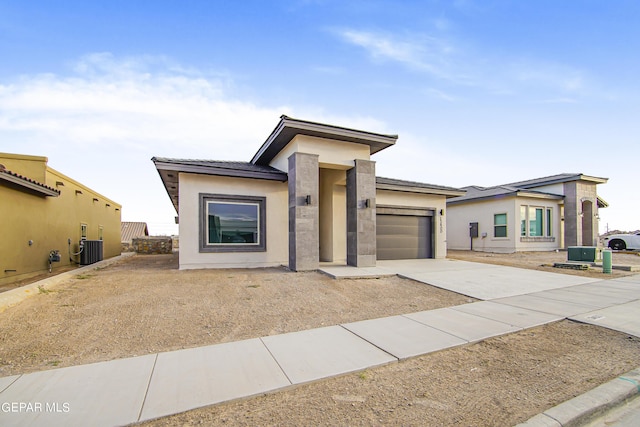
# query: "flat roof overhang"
{"type": "Point", "coordinates": [170, 169]}
{"type": "Point", "coordinates": [392, 184]}
{"type": "Point", "coordinates": [288, 128]}
{"type": "Point", "coordinates": [519, 193]}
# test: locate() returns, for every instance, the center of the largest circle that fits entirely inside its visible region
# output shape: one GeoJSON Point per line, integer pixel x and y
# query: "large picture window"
{"type": "Point", "coordinates": [232, 223]}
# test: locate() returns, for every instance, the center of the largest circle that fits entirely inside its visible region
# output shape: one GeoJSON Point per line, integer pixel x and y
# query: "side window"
{"type": "Point", "coordinates": [500, 225]}
{"type": "Point", "coordinates": [535, 222]}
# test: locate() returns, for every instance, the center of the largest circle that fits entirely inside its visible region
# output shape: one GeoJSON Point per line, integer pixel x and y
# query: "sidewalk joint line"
{"type": "Point", "coordinates": [146, 392]}
{"type": "Point", "coordinates": [369, 342]}
{"type": "Point", "coordinates": [276, 360]}
{"type": "Point", "coordinates": [12, 383]}
{"type": "Point", "coordinates": [440, 330]}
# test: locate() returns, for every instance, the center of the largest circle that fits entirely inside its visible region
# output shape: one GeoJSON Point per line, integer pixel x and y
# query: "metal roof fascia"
{"type": "Point", "coordinates": [329, 130]}
{"type": "Point", "coordinates": [421, 190]}
{"type": "Point", "coordinates": [220, 171]}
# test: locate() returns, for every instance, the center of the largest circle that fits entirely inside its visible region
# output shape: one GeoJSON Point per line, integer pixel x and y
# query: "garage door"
{"type": "Point", "coordinates": [404, 236]}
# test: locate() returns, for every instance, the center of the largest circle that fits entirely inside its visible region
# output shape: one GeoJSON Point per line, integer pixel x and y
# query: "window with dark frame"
{"type": "Point", "coordinates": [230, 223]}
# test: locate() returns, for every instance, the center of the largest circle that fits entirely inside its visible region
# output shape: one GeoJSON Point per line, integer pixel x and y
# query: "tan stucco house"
{"type": "Point", "coordinates": [541, 214]}
{"type": "Point", "coordinates": [43, 210]}
{"type": "Point", "coordinates": [309, 195]}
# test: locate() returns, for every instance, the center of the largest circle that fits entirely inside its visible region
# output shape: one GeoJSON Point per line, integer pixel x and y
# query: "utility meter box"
{"type": "Point", "coordinates": [473, 230]}
{"type": "Point", "coordinates": [581, 253]}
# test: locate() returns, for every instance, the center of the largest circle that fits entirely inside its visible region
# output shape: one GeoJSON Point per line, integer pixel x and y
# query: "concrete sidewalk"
{"type": "Point", "coordinates": [126, 391]}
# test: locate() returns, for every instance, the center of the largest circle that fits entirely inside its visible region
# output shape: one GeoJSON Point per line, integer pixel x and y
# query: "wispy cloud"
{"type": "Point", "coordinates": [458, 64]}
{"type": "Point", "coordinates": [542, 73]}
{"type": "Point", "coordinates": [441, 95]}
{"type": "Point", "coordinates": [145, 103]}
{"type": "Point", "coordinates": [420, 52]}
{"type": "Point", "coordinates": [559, 101]}
{"type": "Point", "coordinates": [134, 102]}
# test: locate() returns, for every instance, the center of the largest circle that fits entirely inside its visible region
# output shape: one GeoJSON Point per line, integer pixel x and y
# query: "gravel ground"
{"type": "Point", "coordinates": [145, 305]}
{"type": "Point", "coordinates": [544, 261]}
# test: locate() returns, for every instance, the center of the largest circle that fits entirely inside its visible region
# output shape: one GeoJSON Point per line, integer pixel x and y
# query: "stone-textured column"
{"type": "Point", "coordinates": [572, 221]}
{"type": "Point", "coordinates": [361, 219]}
{"type": "Point", "coordinates": [304, 217]}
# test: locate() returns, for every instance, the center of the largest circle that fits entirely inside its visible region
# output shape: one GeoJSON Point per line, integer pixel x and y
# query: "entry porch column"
{"type": "Point", "coordinates": [304, 215]}
{"type": "Point", "coordinates": [361, 214]}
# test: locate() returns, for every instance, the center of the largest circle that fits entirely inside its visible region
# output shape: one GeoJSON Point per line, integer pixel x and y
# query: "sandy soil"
{"type": "Point", "coordinates": [544, 261]}
{"type": "Point", "coordinates": [145, 305]}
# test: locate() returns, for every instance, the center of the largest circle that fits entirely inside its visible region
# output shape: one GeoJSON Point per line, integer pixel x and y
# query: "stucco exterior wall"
{"type": "Point", "coordinates": [333, 216]}
{"type": "Point", "coordinates": [482, 212]}
{"type": "Point", "coordinates": [276, 193]}
{"type": "Point", "coordinates": [428, 201]}
{"type": "Point", "coordinates": [551, 188]}
{"type": "Point", "coordinates": [543, 244]}
{"type": "Point", "coordinates": [49, 222]}
{"type": "Point", "coordinates": [331, 154]}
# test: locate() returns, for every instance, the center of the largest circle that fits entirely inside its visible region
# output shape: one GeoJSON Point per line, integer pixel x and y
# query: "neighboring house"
{"type": "Point", "coordinates": [43, 210]}
{"type": "Point", "coordinates": [541, 214]}
{"type": "Point", "coordinates": [130, 231]}
{"type": "Point", "coordinates": [309, 195]}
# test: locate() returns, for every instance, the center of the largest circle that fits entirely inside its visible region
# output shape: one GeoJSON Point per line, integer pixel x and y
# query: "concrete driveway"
{"type": "Point", "coordinates": [481, 281]}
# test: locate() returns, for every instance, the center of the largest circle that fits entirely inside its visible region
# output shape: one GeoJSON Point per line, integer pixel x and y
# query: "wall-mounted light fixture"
{"type": "Point", "coordinates": [95, 199]}
{"type": "Point", "coordinates": [107, 204]}
{"type": "Point", "coordinates": [307, 200]}
{"type": "Point", "coordinates": [367, 203]}
{"type": "Point", "coordinates": [78, 192]}
{"type": "Point", "coordinates": [59, 184]}
{"type": "Point", "coordinates": [441, 212]}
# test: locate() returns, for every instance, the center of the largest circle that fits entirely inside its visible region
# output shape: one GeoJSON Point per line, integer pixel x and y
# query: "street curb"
{"type": "Point", "coordinates": [15, 296]}
{"type": "Point", "coordinates": [580, 409]}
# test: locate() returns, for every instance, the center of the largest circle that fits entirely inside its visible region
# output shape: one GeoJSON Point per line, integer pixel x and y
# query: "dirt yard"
{"type": "Point", "coordinates": [544, 261]}
{"type": "Point", "coordinates": [145, 305]}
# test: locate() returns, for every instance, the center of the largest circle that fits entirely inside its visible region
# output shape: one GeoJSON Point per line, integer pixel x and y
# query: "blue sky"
{"type": "Point", "coordinates": [479, 92]}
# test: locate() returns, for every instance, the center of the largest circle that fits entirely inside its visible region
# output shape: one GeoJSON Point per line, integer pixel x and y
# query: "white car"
{"type": "Point", "coordinates": [620, 242]}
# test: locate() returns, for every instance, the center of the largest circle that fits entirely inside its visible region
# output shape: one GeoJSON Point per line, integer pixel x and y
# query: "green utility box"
{"type": "Point", "coordinates": [582, 253]}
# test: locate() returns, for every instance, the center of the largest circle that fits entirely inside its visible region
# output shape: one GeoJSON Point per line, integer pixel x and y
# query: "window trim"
{"type": "Point", "coordinates": [547, 227]}
{"type": "Point", "coordinates": [535, 220]}
{"type": "Point", "coordinates": [205, 246]}
{"type": "Point", "coordinates": [505, 225]}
